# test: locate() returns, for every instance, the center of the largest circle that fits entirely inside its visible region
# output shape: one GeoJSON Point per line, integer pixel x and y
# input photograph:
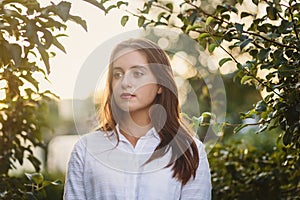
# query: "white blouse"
{"type": "Point", "coordinates": [98, 169]}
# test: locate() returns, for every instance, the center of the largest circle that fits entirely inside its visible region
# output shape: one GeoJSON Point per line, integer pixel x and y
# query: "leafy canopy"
{"type": "Point", "coordinates": [269, 39]}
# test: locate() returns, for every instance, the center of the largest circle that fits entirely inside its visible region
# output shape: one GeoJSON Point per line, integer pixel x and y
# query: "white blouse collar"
{"type": "Point", "coordinates": [150, 133]}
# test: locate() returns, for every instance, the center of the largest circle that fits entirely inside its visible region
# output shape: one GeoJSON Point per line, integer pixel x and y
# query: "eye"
{"type": "Point", "coordinates": [117, 75]}
{"type": "Point", "coordinates": [137, 74]}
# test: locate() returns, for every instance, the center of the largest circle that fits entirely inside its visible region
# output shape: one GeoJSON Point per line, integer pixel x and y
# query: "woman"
{"type": "Point", "coordinates": [143, 150]}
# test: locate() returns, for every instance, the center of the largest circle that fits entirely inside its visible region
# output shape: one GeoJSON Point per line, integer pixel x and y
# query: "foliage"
{"type": "Point", "coordinates": [269, 39]}
{"type": "Point", "coordinates": [27, 32]}
{"type": "Point", "coordinates": [261, 39]}
{"type": "Point", "coordinates": [10, 187]}
{"type": "Point", "coordinates": [37, 186]}
{"type": "Point", "coordinates": [33, 186]}
{"type": "Point", "coordinates": [242, 170]}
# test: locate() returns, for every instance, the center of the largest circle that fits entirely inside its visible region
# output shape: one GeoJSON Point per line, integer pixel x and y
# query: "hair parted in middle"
{"type": "Point", "coordinates": [174, 134]}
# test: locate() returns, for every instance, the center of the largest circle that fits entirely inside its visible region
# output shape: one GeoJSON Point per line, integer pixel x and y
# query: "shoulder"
{"type": "Point", "coordinates": [95, 135]}
{"type": "Point", "coordinates": [95, 141]}
{"type": "Point", "coordinates": [201, 148]}
{"type": "Point", "coordinates": [198, 142]}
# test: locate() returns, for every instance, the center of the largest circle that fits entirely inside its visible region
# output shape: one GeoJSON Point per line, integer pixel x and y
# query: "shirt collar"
{"type": "Point", "coordinates": [151, 133]}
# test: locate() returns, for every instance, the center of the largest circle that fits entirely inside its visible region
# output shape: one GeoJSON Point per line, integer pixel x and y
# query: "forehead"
{"type": "Point", "coordinates": [129, 59]}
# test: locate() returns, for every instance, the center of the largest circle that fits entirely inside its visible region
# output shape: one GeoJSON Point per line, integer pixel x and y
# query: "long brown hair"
{"type": "Point", "coordinates": [174, 135]}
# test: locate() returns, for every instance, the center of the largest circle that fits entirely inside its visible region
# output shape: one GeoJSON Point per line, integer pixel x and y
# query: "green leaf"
{"type": "Point", "coordinates": [209, 20]}
{"type": "Point", "coordinates": [109, 8]}
{"type": "Point", "coordinates": [255, 2]}
{"type": "Point", "coordinates": [28, 77]}
{"type": "Point", "coordinates": [193, 27]}
{"type": "Point", "coordinates": [263, 128]}
{"type": "Point", "coordinates": [245, 78]}
{"type": "Point", "coordinates": [124, 20]}
{"type": "Point", "coordinates": [233, 9]}
{"type": "Point", "coordinates": [45, 57]}
{"type": "Point", "coordinates": [223, 61]}
{"type": "Point", "coordinates": [212, 47]}
{"type": "Point", "coordinates": [245, 14]}
{"type": "Point", "coordinates": [141, 21]}
{"type": "Point", "coordinates": [51, 23]}
{"type": "Point", "coordinates": [239, 27]}
{"type": "Point", "coordinates": [245, 43]}
{"type": "Point", "coordinates": [202, 36]}
{"type": "Point", "coordinates": [79, 21]}
{"type": "Point", "coordinates": [207, 118]}
{"type": "Point", "coordinates": [170, 6]}
{"type": "Point", "coordinates": [272, 13]}
{"type": "Point", "coordinates": [226, 16]}
{"type": "Point", "coordinates": [253, 53]}
{"type": "Point", "coordinates": [47, 38]}
{"type": "Point", "coordinates": [58, 44]}
{"type": "Point", "coordinates": [97, 4]}
{"type": "Point", "coordinates": [16, 52]}
{"type": "Point", "coordinates": [239, 127]}
{"type": "Point", "coordinates": [63, 10]}
{"type": "Point", "coordinates": [221, 9]}
{"type": "Point", "coordinates": [261, 106]}
{"type": "Point", "coordinates": [285, 27]}
{"type": "Point", "coordinates": [16, 7]}
{"type": "Point", "coordinates": [119, 3]}
{"type": "Point", "coordinates": [161, 15]}
{"type": "Point", "coordinates": [5, 56]}
{"type": "Point", "coordinates": [287, 138]}
{"type": "Point", "coordinates": [57, 182]}
{"type": "Point", "coordinates": [239, 66]}
{"type": "Point", "coordinates": [37, 178]}
{"type": "Point", "coordinates": [263, 54]}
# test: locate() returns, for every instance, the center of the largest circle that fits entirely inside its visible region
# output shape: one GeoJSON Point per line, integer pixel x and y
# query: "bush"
{"type": "Point", "coordinates": [241, 169]}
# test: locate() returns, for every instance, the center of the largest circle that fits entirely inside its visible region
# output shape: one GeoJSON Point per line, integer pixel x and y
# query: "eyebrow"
{"type": "Point", "coordinates": [132, 67]}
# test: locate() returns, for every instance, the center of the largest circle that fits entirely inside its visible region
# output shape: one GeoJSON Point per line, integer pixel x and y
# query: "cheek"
{"type": "Point", "coordinates": [114, 85]}
{"type": "Point", "coordinates": [149, 90]}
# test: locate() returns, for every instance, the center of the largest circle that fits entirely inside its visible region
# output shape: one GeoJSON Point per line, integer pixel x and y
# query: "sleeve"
{"type": "Point", "coordinates": [200, 187]}
{"type": "Point", "coordinates": [74, 184]}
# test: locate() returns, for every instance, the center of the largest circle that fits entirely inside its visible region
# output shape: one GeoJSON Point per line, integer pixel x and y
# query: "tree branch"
{"type": "Point", "coordinates": [162, 7]}
{"type": "Point", "coordinates": [294, 24]}
{"type": "Point", "coordinates": [269, 40]}
{"type": "Point", "coordinates": [248, 72]}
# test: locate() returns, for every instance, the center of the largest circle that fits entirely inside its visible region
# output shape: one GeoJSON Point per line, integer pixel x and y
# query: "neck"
{"type": "Point", "coordinates": [133, 127]}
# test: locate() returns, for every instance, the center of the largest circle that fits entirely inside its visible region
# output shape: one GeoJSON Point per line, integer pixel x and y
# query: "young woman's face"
{"type": "Point", "coordinates": [134, 85]}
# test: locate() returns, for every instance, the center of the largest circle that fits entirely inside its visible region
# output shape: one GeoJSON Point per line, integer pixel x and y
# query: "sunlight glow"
{"type": "Point", "coordinates": [3, 85]}
{"type": "Point", "coordinates": [79, 44]}
{"type": "Point", "coordinates": [179, 64]}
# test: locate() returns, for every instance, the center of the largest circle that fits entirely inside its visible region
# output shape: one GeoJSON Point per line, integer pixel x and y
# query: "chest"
{"type": "Point", "coordinates": [122, 176]}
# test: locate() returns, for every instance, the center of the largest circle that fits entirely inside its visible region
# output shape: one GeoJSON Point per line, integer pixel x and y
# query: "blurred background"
{"type": "Point", "coordinates": [236, 64]}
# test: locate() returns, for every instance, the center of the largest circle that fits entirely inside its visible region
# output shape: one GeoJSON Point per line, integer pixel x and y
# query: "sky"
{"type": "Point", "coordinates": [79, 44]}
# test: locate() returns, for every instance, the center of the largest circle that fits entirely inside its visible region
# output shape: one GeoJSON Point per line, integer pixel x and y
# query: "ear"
{"type": "Point", "coordinates": [159, 91]}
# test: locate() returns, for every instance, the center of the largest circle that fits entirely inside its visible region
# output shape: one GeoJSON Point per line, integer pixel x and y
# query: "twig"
{"type": "Point", "coordinates": [235, 124]}
{"type": "Point", "coordinates": [294, 24]}
{"type": "Point", "coordinates": [207, 14]}
{"type": "Point", "coordinates": [269, 40]}
{"type": "Point", "coordinates": [250, 33]}
{"type": "Point", "coordinates": [162, 7]}
{"type": "Point", "coordinates": [248, 72]}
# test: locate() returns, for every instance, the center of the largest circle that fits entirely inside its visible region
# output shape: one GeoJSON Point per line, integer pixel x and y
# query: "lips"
{"type": "Point", "coordinates": [127, 96]}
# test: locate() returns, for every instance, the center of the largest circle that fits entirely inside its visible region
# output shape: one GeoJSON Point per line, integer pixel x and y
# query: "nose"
{"type": "Point", "coordinates": [126, 81]}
